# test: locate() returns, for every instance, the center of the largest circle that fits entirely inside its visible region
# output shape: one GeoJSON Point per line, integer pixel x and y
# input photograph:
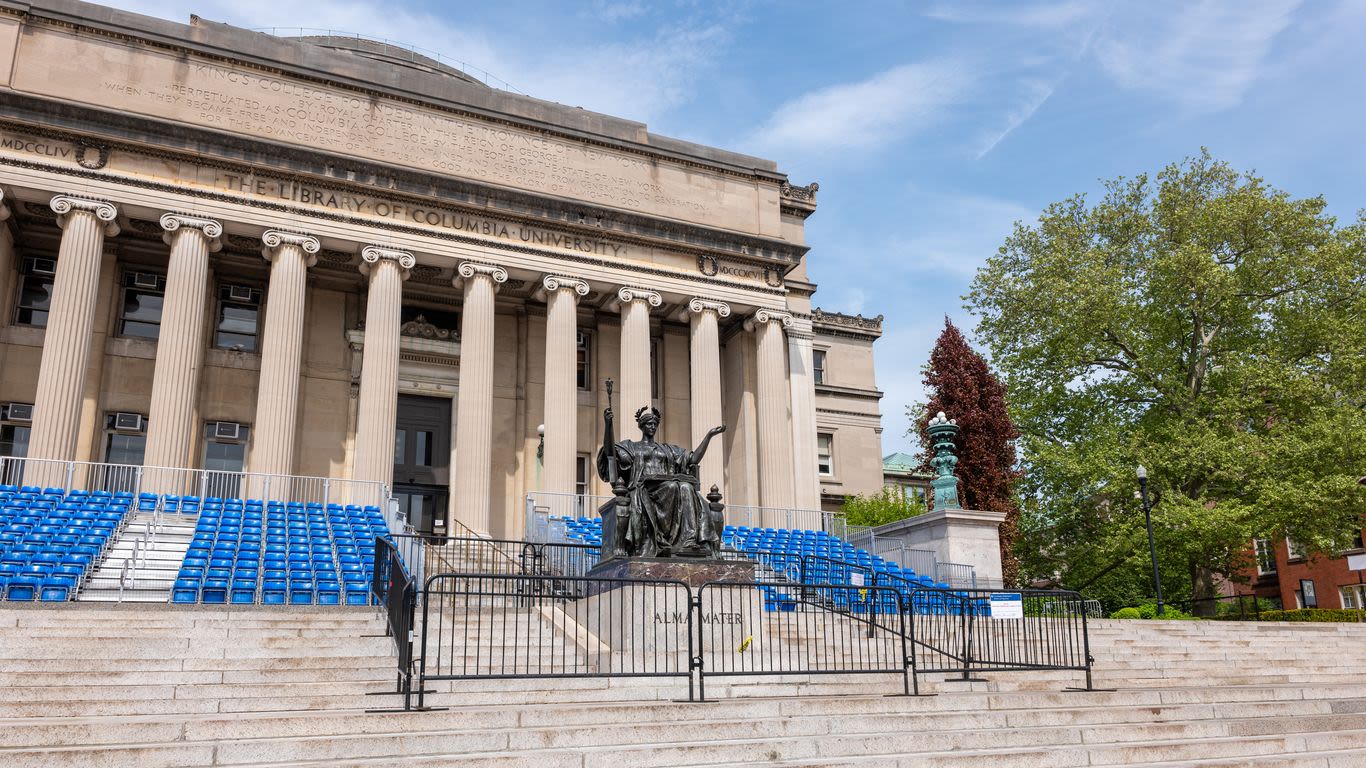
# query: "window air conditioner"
{"type": "Point", "coordinates": [239, 293]}
{"type": "Point", "coordinates": [19, 412]}
{"type": "Point", "coordinates": [146, 280]}
{"type": "Point", "coordinates": [42, 267]}
{"type": "Point", "coordinates": [227, 430]}
{"type": "Point", "coordinates": [130, 422]}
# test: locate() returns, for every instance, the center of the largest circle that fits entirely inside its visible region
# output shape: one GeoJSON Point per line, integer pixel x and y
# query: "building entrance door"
{"type": "Point", "coordinates": [422, 461]}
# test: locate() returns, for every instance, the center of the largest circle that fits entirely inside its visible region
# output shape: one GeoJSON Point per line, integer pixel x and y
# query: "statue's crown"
{"type": "Point", "coordinates": [646, 409]}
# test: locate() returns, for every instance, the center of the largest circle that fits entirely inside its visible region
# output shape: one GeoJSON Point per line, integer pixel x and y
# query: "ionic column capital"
{"type": "Point", "coordinates": [697, 305]}
{"type": "Point", "coordinates": [210, 229]}
{"type": "Point", "coordinates": [65, 205]}
{"type": "Point", "coordinates": [627, 294]}
{"type": "Point", "coordinates": [552, 283]}
{"type": "Point", "coordinates": [763, 316]}
{"type": "Point", "coordinates": [374, 254]}
{"type": "Point", "coordinates": [4, 209]}
{"type": "Point", "coordinates": [273, 240]}
{"type": "Point", "coordinates": [471, 269]}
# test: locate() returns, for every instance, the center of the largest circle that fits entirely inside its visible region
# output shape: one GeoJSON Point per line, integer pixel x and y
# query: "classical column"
{"type": "Point", "coordinates": [66, 342]}
{"type": "Point", "coordinates": [636, 372]}
{"type": "Point", "coordinates": [277, 396]}
{"type": "Point", "coordinates": [378, 403]}
{"type": "Point", "coordinates": [474, 401]}
{"type": "Point", "coordinates": [6, 260]}
{"type": "Point", "coordinates": [561, 393]}
{"type": "Point", "coordinates": [180, 343]}
{"type": "Point", "coordinates": [705, 353]}
{"type": "Point", "coordinates": [774, 417]}
{"type": "Point", "coordinates": [806, 478]}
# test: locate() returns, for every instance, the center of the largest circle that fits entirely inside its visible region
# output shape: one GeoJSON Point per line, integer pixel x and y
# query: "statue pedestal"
{"type": "Point", "coordinates": [693, 572]}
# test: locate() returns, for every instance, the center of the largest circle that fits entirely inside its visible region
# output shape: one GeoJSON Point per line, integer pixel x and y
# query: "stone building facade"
{"type": "Point", "coordinates": [304, 257]}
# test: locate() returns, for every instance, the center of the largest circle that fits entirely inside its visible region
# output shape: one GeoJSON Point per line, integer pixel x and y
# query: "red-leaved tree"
{"type": "Point", "coordinates": [962, 386]}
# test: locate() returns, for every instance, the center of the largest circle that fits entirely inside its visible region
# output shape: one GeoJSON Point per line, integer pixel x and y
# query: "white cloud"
{"type": "Point", "coordinates": [1204, 55]}
{"type": "Point", "coordinates": [1034, 16]}
{"type": "Point", "coordinates": [866, 114]}
{"type": "Point", "coordinates": [953, 235]}
{"type": "Point", "coordinates": [1033, 93]}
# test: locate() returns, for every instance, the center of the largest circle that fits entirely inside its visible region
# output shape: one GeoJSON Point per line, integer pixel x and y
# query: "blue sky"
{"type": "Point", "coordinates": [931, 126]}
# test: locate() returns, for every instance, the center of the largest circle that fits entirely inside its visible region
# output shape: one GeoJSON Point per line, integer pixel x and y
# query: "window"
{"type": "Point", "coordinates": [825, 454]}
{"type": "Point", "coordinates": [400, 441]}
{"type": "Point", "coordinates": [1294, 550]}
{"type": "Point", "coordinates": [225, 458]}
{"type": "Point", "coordinates": [14, 440]}
{"type": "Point", "coordinates": [1266, 556]}
{"type": "Point", "coordinates": [913, 496]}
{"type": "Point", "coordinates": [818, 365]}
{"type": "Point", "coordinates": [125, 439]}
{"type": "Point", "coordinates": [143, 294]}
{"type": "Point", "coordinates": [35, 292]}
{"type": "Point", "coordinates": [582, 475]}
{"type": "Point", "coordinates": [239, 310]}
{"type": "Point", "coordinates": [585, 361]}
{"type": "Point", "coordinates": [224, 454]}
{"type": "Point", "coordinates": [1353, 596]}
{"type": "Point", "coordinates": [422, 450]}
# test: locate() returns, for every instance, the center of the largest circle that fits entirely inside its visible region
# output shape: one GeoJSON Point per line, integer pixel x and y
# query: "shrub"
{"type": "Point", "coordinates": [1149, 611]}
{"type": "Point", "coordinates": [1313, 614]}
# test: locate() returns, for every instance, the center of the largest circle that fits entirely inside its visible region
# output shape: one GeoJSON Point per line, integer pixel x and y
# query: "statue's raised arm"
{"type": "Point", "coordinates": [701, 449]}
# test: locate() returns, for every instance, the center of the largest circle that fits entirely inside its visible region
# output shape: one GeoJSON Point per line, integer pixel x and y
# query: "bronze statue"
{"type": "Point", "coordinates": [659, 510]}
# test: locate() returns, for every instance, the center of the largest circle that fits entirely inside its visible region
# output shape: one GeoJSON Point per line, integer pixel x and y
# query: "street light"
{"type": "Point", "coordinates": [1148, 518]}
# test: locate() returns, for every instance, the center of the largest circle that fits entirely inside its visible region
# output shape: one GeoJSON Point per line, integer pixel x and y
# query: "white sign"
{"type": "Point", "coordinates": [856, 578]}
{"type": "Point", "coordinates": [1007, 605]}
{"type": "Point", "coordinates": [1356, 562]}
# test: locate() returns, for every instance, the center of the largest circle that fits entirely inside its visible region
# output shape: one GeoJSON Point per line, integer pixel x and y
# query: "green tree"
{"type": "Point", "coordinates": [1205, 325]}
{"type": "Point", "coordinates": [885, 506]}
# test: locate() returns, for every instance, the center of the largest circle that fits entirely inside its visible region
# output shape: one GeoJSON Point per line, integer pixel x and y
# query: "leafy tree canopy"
{"type": "Point", "coordinates": [1205, 325]}
{"type": "Point", "coordinates": [885, 506]}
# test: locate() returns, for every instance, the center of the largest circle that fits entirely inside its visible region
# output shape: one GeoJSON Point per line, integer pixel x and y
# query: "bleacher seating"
{"type": "Point", "coordinates": [50, 539]}
{"type": "Point", "coordinates": [256, 551]}
{"type": "Point", "coordinates": [800, 557]}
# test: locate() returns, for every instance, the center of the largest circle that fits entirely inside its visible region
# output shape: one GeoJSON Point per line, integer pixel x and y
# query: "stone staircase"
{"type": "Point", "coordinates": [114, 685]}
{"type": "Point", "coordinates": [141, 565]}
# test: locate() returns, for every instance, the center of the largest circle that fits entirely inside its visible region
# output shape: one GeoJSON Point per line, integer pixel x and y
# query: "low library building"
{"type": "Point", "coordinates": [320, 257]}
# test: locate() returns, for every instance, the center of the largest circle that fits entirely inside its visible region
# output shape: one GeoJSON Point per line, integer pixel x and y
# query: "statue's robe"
{"type": "Point", "coordinates": [667, 514]}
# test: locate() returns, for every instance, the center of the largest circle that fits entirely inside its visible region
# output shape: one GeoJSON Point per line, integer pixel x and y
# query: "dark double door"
{"type": "Point", "coordinates": [422, 461]}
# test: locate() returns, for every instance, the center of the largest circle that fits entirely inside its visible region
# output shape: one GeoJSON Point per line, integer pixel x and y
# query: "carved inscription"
{"type": "Point", "coordinates": [707, 618]}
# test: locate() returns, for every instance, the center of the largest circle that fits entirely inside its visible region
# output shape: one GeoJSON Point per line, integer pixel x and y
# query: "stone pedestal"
{"type": "Point", "coordinates": [694, 573]}
{"type": "Point", "coordinates": [967, 536]}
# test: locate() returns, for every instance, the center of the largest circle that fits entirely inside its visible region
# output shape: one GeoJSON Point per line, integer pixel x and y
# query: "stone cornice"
{"type": "Point", "coordinates": [102, 210]}
{"type": "Point", "coordinates": [198, 146]}
{"type": "Point", "coordinates": [826, 322]}
{"type": "Point", "coordinates": [211, 230]}
{"type": "Point", "coordinates": [867, 394]}
{"type": "Point", "coordinates": [272, 240]}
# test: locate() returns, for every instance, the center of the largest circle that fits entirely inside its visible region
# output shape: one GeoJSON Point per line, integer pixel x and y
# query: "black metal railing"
{"type": "Point", "coordinates": [765, 628]}
{"type": "Point", "coordinates": [540, 616]}
{"type": "Point", "coordinates": [396, 590]}
{"type": "Point", "coordinates": [501, 626]}
{"type": "Point", "coordinates": [967, 631]}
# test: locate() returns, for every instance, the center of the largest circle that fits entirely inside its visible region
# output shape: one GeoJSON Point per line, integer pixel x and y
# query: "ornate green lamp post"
{"type": "Point", "coordinates": [943, 431]}
{"type": "Point", "coordinates": [1148, 518]}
